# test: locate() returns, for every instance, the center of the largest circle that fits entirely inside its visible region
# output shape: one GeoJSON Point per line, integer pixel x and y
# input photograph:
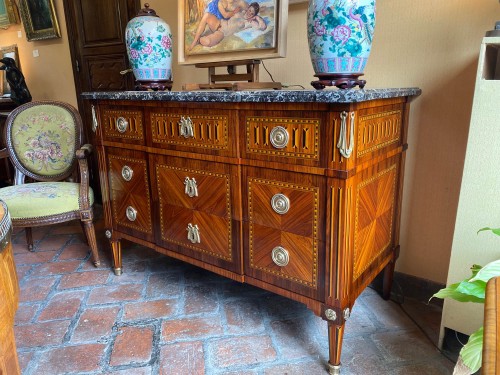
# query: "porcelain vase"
{"type": "Point", "coordinates": [149, 46]}
{"type": "Point", "coordinates": [340, 34]}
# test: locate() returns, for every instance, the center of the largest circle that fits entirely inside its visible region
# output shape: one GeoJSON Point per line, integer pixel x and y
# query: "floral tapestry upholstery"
{"type": "Point", "coordinates": [43, 139]}
{"type": "Point", "coordinates": [40, 199]}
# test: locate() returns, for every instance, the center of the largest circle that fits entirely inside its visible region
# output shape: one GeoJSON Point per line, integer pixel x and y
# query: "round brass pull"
{"type": "Point", "coordinates": [279, 137]}
{"type": "Point", "coordinates": [131, 213]}
{"type": "Point", "coordinates": [121, 124]}
{"type": "Point", "coordinates": [127, 173]}
{"type": "Point", "coordinates": [280, 256]}
{"type": "Point", "coordinates": [280, 203]}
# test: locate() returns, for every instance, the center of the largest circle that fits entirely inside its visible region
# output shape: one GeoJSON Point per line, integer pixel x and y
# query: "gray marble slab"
{"type": "Point", "coordinates": [259, 96]}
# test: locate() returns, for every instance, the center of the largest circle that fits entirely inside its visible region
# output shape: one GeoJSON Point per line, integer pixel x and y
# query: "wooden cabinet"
{"type": "Point", "coordinates": [300, 196]}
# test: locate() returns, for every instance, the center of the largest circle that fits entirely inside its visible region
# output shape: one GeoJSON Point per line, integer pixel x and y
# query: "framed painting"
{"type": "Point", "coordinates": [230, 30]}
{"type": "Point", "coordinates": [8, 51]}
{"type": "Point", "coordinates": [39, 19]}
{"type": "Point", "coordinates": [8, 13]}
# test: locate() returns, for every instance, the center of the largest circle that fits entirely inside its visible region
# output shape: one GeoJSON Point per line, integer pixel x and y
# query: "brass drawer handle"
{"type": "Point", "coordinates": [279, 137]}
{"type": "Point", "coordinates": [127, 173]}
{"type": "Point", "coordinates": [131, 213]}
{"type": "Point", "coordinates": [186, 127]}
{"type": "Point", "coordinates": [121, 124]}
{"type": "Point", "coordinates": [193, 233]}
{"type": "Point", "coordinates": [280, 203]}
{"type": "Point", "coordinates": [94, 120]}
{"type": "Point", "coordinates": [280, 256]}
{"type": "Point", "coordinates": [345, 150]}
{"type": "Point", "coordinates": [191, 189]}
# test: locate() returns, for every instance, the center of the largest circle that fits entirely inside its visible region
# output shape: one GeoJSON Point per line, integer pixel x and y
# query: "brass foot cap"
{"type": "Point", "coordinates": [334, 369]}
{"type": "Point", "coordinates": [118, 271]}
{"type": "Point", "coordinates": [97, 263]}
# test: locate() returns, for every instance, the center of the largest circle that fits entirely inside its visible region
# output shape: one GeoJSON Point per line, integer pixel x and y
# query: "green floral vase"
{"type": "Point", "coordinates": [340, 34]}
{"type": "Point", "coordinates": [149, 47]}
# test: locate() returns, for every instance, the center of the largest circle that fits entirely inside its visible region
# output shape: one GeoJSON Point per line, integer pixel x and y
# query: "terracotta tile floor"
{"type": "Point", "coordinates": [166, 317]}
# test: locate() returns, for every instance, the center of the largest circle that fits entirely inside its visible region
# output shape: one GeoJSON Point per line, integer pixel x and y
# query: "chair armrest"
{"type": "Point", "coordinates": [84, 151]}
{"type": "Point", "coordinates": [83, 165]}
{"type": "Point", "coordinates": [4, 153]}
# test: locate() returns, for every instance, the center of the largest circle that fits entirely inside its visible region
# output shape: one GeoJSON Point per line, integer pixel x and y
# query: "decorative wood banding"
{"type": "Point", "coordinates": [114, 124]}
{"type": "Point", "coordinates": [205, 131]}
{"type": "Point", "coordinates": [302, 140]}
{"type": "Point", "coordinates": [378, 130]}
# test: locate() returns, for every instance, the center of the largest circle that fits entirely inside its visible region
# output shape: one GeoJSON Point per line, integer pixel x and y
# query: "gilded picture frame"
{"type": "Point", "coordinates": [230, 30]}
{"type": "Point", "coordinates": [9, 14]}
{"type": "Point", "coordinates": [8, 51]}
{"type": "Point", "coordinates": [39, 19]}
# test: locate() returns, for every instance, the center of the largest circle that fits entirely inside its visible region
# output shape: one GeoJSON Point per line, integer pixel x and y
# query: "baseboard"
{"type": "Point", "coordinates": [408, 286]}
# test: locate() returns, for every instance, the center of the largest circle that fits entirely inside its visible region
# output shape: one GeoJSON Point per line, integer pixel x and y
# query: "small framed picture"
{"type": "Point", "coordinates": [39, 19]}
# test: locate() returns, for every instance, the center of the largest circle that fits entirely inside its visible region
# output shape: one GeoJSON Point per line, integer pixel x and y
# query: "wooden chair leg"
{"type": "Point", "coordinates": [88, 227]}
{"type": "Point", "coordinates": [82, 224]}
{"type": "Point", "coordinates": [29, 238]}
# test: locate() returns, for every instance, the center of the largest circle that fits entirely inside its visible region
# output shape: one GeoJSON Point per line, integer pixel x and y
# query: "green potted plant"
{"type": "Point", "coordinates": [472, 289]}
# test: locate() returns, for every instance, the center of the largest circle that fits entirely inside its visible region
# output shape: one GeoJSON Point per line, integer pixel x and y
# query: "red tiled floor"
{"type": "Point", "coordinates": [166, 317]}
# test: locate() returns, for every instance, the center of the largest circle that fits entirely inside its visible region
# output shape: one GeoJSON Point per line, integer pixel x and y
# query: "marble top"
{"type": "Point", "coordinates": [260, 96]}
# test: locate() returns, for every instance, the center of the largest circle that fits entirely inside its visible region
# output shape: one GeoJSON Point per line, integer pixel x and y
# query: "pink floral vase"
{"type": "Point", "coordinates": [340, 34]}
{"type": "Point", "coordinates": [149, 47]}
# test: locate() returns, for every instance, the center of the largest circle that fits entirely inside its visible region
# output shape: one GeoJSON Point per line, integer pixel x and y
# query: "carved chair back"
{"type": "Point", "coordinates": [42, 138]}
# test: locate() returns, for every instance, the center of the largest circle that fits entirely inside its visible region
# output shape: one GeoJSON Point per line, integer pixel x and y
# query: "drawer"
{"type": "Point", "coordinates": [129, 193]}
{"type": "Point", "coordinates": [284, 256]}
{"type": "Point", "coordinates": [194, 130]}
{"type": "Point", "coordinates": [196, 189]}
{"type": "Point", "coordinates": [271, 136]}
{"type": "Point", "coordinates": [284, 229]}
{"type": "Point", "coordinates": [283, 205]}
{"type": "Point", "coordinates": [123, 125]}
{"type": "Point", "coordinates": [203, 233]}
{"type": "Point", "coordinates": [195, 204]}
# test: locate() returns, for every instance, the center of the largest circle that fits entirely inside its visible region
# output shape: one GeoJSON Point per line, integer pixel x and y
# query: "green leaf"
{"type": "Point", "coordinates": [472, 352]}
{"type": "Point", "coordinates": [474, 289]}
{"type": "Point", "coordinates": [451, 292]}
{"type": "Point", "coordinates": [490, 270]}
{"type": "Point", "coordinates": [494, 230]}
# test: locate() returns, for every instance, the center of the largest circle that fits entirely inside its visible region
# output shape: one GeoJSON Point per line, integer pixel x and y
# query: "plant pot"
{"type": "Point", "coordinates": [340, 34]}
{"type": "Point", "coordinates": [149, 48]}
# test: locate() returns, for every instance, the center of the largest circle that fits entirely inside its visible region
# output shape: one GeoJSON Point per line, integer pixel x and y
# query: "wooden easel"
{"type": "Point", "coordinates": [220, 81]}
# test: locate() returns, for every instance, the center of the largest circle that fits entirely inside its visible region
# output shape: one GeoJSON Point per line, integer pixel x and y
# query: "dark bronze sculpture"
{"type": "Point", "coordinates": [19, 91]}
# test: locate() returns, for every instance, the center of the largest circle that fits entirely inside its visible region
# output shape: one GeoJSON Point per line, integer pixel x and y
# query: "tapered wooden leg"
{"type": "Point", "coordinates": [388, 278]}
{"type": "Point", "coordinates": [29, 238]}
{"type": "Point", "coordinates": [88, 227]}
{"type": "Point", "coordinates": [335, 336]}
{"type": "Point", "coordinates": [117, 256]}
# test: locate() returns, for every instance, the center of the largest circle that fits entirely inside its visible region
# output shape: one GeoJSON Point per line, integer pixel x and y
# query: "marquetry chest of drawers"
{"type": "Point", "coordinates": [296, 192]}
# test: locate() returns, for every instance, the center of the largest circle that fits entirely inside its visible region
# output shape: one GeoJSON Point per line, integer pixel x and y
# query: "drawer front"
{"type": "Point", "coordinates": [129, 190]}
{"type": "Point", "coordinates": [123, 125]}
{"type": "Point", "coordinates": [195, 210]}
{"type": "Point", "coordinates": [290, 137]}
{"type": "Point", "coordinates": [203, 233]}
{"type": "Point", "coordinates": [283, 231]}
{"type": "Point", "coordinates": [283, 205]}
{"type": "Point", "coordinates": [192, 130]}
{"type": "Point", "coordinates": [284, 255]}
{"type": "Point", "coordinates": [195, 189]}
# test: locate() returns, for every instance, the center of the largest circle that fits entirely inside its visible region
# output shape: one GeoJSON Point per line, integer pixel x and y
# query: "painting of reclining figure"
{"type": "Point", "coordinates": [226, 30]}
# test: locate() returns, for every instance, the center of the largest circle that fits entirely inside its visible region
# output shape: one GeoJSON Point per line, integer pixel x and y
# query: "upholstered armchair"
{"type": "Point", "coordinates": [43, 141]}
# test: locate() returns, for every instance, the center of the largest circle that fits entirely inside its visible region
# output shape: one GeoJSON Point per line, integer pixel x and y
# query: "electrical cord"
{"type": "Point", "coordinates": [270, 75]}
{"type": "Point", "coordinates": [272, 79]}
